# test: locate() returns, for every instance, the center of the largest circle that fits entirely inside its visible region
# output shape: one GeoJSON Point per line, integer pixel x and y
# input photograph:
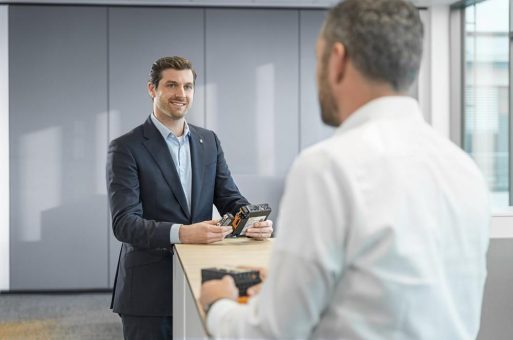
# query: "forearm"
{"type": "Point", "coordinates": [288, 309]}
{"type": "Point", "coordinates": [140, 232]}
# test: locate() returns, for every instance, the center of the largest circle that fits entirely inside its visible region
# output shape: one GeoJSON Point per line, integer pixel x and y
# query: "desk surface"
{"type": "Point", "coordinates": [229, 252]}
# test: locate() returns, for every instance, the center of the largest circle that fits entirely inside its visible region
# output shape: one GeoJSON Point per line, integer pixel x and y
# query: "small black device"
{"type": "Point", "coordinates": [226, 220]}
{"type": "Point", "coordinates": [243, 278]}
{"type": "Point", "coordinates": [248, 215]}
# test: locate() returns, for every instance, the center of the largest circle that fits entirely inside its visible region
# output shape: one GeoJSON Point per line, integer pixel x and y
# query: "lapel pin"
{"type": "Point", "coordinates": [201, 141]}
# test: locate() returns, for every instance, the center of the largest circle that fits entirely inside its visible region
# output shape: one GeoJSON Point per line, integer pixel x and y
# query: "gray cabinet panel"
{"type": "Point", "coordinates": [312, 129]}
{"type": "Point", "coordinates": [498, 299]}
{"type": "Point", "coordinates": [137, 37]}
{"type": "Point", "coordinates": [262, 189]}
{"type": "Point", "coordinates": [252, 95]}
{"type": "Point", "coordinates": [252, 87]}
{"type": "Point", "coordinates": [58, 139]}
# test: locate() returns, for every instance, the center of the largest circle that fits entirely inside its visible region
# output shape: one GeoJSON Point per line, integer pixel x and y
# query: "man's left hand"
{"type": "Point", "coordinates": [260, 230]}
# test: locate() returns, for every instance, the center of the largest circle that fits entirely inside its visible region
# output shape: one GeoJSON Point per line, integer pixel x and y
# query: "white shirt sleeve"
{"type": "Point", "coordinates": [306, 262]}
{"type": "Point", "coordinates": [174, 235]}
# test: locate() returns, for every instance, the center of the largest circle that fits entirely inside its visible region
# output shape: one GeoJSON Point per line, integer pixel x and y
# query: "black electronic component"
{"type": "Point", "coordinates": [226, 220]}
{"type": "Point", "coordinates": [248, 215]}
{"type": "Point", "coordinates": [243, 278]}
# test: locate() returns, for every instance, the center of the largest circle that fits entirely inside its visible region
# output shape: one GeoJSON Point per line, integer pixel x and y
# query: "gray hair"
{"type": "Point", "coordinates": [383, 38]}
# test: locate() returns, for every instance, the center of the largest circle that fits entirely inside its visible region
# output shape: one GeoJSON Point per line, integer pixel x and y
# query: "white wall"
{"type": "Point", "coordinates": [438, 32]}
{"type": "Point", "coordinates": [4, 149]}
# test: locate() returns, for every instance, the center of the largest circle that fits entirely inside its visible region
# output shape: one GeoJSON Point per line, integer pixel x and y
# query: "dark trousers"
{"type": "Point", "coordinates": [147, 327]}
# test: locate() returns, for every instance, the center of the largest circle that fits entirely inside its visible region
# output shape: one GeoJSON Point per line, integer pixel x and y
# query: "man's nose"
{"type": "Point", "coordinates": [180, 91]}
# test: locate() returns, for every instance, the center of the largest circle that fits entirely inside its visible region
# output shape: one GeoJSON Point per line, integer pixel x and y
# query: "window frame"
{"type": "Point", "coordinates": [502, 218]}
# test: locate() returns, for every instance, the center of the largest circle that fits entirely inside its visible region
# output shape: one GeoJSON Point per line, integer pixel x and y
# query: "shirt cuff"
{"type": "Point", "coordinates": [216, 313]}
{"type": "Point", "coordinates": [174, 234]}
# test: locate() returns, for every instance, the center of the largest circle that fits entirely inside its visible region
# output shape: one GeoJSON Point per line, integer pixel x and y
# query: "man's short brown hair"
{"type": "Point", "coordinates": [164, 63]}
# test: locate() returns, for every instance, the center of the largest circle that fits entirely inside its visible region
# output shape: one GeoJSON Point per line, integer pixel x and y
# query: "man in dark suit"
{"type": "Point", "coordinates": [163, 178]}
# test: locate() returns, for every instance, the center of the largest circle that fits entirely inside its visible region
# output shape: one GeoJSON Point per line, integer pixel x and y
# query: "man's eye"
{"type": "Point", "coordinates": [171, 85]}
{"type": "Point", "coordinates": [188, 87]}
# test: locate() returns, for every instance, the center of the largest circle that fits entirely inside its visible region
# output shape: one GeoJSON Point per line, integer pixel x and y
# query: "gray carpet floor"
{"type": "Point", "coordinates": [58, 316]}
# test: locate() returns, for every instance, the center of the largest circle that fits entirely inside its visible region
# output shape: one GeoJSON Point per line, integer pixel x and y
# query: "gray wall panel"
{"type": "Point", "coordinates": [137, 37]}
{"type": "Point", "coordinates": [252, 95]}
{"type": "Point", "coordinates": [58, 138]}
{"type": "Point", "coordinates": [312, 128]}
{"type": "Point", "coordinates": [262, 189]}
{"type": "Point", "coordinates": [252, 87]}
{"type": "Point", "coordinates": [498, 300]}
{"type": "Point", "coordinates": [4, 149]}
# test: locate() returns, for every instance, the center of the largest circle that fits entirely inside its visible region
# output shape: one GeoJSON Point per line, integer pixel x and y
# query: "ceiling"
{"type": "Point", "coordinates": [231, 3]}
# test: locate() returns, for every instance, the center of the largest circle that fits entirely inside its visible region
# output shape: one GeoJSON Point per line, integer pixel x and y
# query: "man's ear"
{"type": "Point", "coordinates": [151, 89]}
{"type": "Point", "coordinates": [337, 63]}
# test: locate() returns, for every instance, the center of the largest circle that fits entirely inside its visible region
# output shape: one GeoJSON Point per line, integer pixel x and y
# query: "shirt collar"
{"type": "Point", "coordinates": [164, 131]}
{"type": "Point", "coordinates": [389, 107]}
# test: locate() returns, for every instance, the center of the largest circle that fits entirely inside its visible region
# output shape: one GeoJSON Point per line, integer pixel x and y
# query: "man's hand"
{"type": "Point", "coordinates": [255, 289]}
{"type": "Point", "coordinates": [260, 230]}
{"type": "Point", "coordinates": [203, 232]}
{"type": "Point", "coordinates": [214, 290]}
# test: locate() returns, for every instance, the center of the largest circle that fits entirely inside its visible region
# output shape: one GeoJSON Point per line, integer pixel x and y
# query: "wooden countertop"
{"type": "Point", "coordinates": [227, 253]}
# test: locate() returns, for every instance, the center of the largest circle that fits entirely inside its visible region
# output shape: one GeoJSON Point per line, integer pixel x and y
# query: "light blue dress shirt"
{"type": "Point", "coordinates": [180, 151]}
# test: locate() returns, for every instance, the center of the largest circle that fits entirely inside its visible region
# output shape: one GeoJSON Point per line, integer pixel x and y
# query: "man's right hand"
{"type": "Point", "coordinates": [255, 289]}
{"type": "Point", "coordinates": [203, 232]}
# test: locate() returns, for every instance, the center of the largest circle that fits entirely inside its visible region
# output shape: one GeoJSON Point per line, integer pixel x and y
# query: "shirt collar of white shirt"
{"type": "Point", "coordinates": [164, 131]}
{"type": "Point", "coordinates": [383, 107]}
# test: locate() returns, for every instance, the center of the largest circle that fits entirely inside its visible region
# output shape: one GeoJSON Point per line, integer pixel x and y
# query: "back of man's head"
{"type": "Point", "coordinates": [383, 38]}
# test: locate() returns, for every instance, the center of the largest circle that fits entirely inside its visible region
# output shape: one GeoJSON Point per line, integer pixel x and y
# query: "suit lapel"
{"type": "Point", "coordinates": [158, 149]}
{"type": "Point", "coordinates": [197, 164]}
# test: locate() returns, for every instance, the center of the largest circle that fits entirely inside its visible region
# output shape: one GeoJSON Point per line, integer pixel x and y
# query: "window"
{"type": "Point", "coordinates": [486, 93]}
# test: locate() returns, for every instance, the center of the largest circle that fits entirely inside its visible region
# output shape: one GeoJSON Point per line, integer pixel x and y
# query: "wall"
{"type": "Point", "coordinates": [58, 138]}
{"type": "Point", "coordinates": [4, 149]}
{"type": "Point", "coordinates": [498, 296]}
{"type": "Point", "coordinates": [88, 86]}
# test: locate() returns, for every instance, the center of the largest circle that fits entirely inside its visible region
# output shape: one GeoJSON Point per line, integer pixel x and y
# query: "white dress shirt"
{"type": "Point", "coordinates": [179, 148]}
{"type": "Point", "coordinates": [383, 233]}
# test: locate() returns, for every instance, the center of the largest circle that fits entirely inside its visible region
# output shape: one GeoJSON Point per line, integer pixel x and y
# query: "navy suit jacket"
{"type": "Point", "coordinates": [147, 198]}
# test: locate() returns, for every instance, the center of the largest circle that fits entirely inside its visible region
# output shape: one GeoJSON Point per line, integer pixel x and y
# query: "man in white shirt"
{"type": "Point", "coordinates": [384, 226]}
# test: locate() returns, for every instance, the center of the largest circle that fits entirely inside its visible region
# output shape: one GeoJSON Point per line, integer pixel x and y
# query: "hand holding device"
{"type": "Point", "coordinates": [247, 216]}
{"type": "Point", "coordinates": [243, 278]}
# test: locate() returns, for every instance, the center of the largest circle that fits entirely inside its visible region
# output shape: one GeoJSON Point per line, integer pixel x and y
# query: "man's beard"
{"type": "Point", "coordinates": [327, 103]}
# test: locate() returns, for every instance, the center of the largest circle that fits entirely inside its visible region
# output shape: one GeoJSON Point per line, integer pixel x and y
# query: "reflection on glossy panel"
{"type": "Point", "coordinates": [58, 105]}
{"type": "Point", "coordinates": [40, 170]}
{"type": "Point", "coordinates": [313, 129]}
{"type": "Point", "coordinates": [252, 87]}
{"type": "Point", "coordinates": [265, 103]}
{"type": "Point", "coordinates": [138, 37]}
{"type": "Point", "coordinates": [4, 148]}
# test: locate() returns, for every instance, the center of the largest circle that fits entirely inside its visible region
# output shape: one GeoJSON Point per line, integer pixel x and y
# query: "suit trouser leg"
{"type": "Point", "coordinates": [147, 327]}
